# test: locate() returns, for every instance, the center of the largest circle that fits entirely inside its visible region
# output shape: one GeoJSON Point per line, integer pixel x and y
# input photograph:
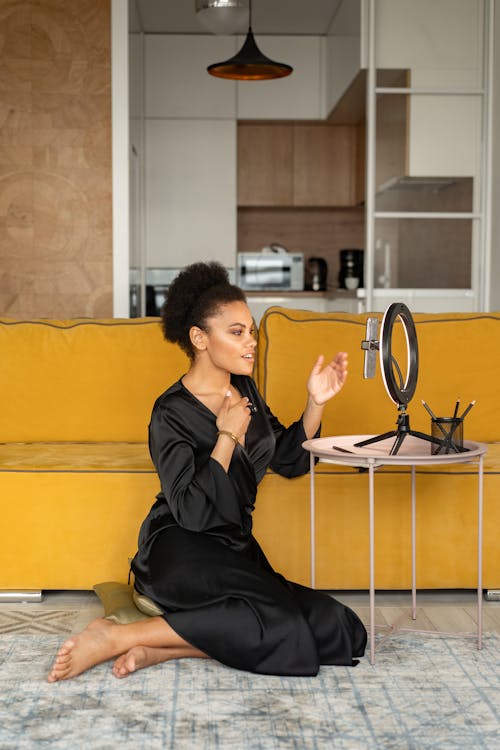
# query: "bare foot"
{"type": "Point", "coordinates": [140, 657]}
{"type": "Point", "coordinates": [80, 652]}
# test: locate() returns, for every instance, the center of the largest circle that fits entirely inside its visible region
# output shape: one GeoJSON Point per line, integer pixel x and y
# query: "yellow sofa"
{"type": "Point", "coordinates": [459, 358]}
{"type": "Point", "coordinates": [75, 474]}
{"type": "Point", "coordinates": [76, 478]}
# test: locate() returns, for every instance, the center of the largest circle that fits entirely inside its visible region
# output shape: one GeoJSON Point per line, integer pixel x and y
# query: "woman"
{"type": "Point", "coordinates": [211, 439]}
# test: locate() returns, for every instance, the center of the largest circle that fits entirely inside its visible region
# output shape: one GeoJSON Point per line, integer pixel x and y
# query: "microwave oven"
{"type": "Point", "coordinates": [282, 272]}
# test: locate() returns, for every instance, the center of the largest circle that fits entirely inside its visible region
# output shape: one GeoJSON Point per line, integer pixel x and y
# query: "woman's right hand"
{"type": "Point", "coordinates": [235, 418]}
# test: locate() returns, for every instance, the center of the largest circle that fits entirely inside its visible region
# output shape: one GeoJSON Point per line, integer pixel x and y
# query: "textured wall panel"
{"type": "Point", "coordinates": [55, 158]}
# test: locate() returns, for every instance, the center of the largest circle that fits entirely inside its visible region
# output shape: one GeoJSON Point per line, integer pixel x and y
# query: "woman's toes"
{"type": "Point", "coordinates": [62, 659]}
{"type": "Point", "coordinates": [120, 666]}
{"type": "Point", "coordinates": [66, 647]}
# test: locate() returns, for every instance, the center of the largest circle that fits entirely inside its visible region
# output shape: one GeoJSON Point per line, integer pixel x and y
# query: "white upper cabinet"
{"type": "Point", "coordinates": [190, 201]}
{"type": "Point", "coordinates": [440, 43]}
{"type": "Point", "coordinates": [177, 82]}
{"type": "Point", "coordinates": [428, 34]}
{"type": "Point", "coordinates": [444, 135]}
{"type": "Point", "coordinates": [342, 64]}
{"type": "Point", "coordinates": [296, 97]}
{"type": "Point", "coordinates": [342, 56]}
{"type": "Point", "coordinates": [190, 135]}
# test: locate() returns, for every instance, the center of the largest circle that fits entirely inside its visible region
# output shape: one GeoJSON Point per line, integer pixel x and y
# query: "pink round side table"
{"type": "Point", "coordinates": [413, 452]}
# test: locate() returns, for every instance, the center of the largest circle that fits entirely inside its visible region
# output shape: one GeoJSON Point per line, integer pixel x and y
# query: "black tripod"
{"type": "Point", "coordinates": [402, 430]}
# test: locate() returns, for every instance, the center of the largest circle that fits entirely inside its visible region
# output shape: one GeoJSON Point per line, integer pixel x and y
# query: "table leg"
{"type": "Point", "coordinates": [480, 477]}
{"type": "Point", "coordinates": [372, 561]}
{"type": "Point", "coordinates": [312, 522]}
{"type": "Point", "coordinates": [413, 546]}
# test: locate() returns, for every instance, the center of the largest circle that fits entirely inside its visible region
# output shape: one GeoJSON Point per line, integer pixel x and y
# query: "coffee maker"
{"type": "Point", "coordinates": [317, 274]}
{"type": "Point", "coordinates": [351, 269]}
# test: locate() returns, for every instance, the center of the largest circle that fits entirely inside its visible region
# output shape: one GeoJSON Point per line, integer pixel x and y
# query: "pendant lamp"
{"type": "Point", "coordinates": [250, 64]}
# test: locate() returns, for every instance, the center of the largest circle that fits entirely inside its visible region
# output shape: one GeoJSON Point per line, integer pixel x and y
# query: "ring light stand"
{"type": "Point", "coordinates": [399, 392]}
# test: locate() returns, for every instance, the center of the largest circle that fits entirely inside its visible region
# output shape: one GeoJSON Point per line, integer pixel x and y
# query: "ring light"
{"type": "Point", "coordinates": [400, 392]}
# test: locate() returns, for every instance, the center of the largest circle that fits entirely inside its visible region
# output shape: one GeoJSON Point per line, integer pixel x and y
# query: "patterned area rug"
{"type": "Point", "coordinates": [425, 692]}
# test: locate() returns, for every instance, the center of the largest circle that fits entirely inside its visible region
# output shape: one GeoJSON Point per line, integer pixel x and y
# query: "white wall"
{"type": "Point", "coordinates": [120, 146]}
{"type": "Point", "coordinates": [495, 233]}
{"type": "Point", "coordinates": [136, 151]}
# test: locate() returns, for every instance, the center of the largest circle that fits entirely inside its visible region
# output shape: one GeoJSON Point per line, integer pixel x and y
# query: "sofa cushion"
{"type": "Point", "coordinates": [81, 506]}
{"type": "Point", "coordinates": [83, 380]}
{"type": "Point", "coordinates": [76, 457]}
{"type": "Point", "coordinates": [458, 358]}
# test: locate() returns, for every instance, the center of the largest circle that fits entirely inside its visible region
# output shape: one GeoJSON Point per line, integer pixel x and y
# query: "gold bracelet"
{"type": "Point", "coordinates": [229, 434]}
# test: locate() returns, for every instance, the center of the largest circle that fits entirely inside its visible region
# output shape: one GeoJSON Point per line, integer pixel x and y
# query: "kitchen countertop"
{"type": "Point", "coordinates": [328, 293]}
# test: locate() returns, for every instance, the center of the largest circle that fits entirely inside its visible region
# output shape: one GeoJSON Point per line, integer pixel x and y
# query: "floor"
{"type": "Point", "coordinates": [452, 611]}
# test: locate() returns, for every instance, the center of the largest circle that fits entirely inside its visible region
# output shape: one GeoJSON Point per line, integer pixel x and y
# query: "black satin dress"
{"type": "Point", "coordinates": [199, 562]}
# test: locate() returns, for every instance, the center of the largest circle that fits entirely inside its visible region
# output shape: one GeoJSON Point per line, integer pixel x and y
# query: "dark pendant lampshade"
{"type": "Point", "coordinates": [249, 64]}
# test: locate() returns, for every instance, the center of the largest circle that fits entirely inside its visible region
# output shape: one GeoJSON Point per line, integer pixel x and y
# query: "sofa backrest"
{"type": "Point", "coordinates": [96, 380]}
{"type": "Point", "coordinates": [459, 357]}
{"type": "Point", "coordinates": [83, 380]}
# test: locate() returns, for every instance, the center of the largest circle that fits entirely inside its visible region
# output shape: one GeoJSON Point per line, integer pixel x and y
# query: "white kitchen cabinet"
{"type": "Point", "coordinates": [259, 304]}
{"type": "Point", "coordinates": [343, 51]}
{"type": "Point", "coordinates": [190, 192]}
{"type": "Point", "coordinates": [420, 300]}
{"type": "Point", "coordinates": [177, 82]}
{"type": "Point", "coordinates": [440, 44]}
{"type": "Point", "coordinates": [444, 134]}
{"type": "Point", "coordinates": [319, 302]}
{"type": "Point", "coordinates": [342, 56]}
{"type": "Point", "coordinates": [296, 97]}
{"type": "Point", "coordinates": [428, 34]}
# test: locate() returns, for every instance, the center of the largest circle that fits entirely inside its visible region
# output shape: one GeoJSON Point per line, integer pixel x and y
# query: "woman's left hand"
{"type": "Point", "coordinates": [326, 381]}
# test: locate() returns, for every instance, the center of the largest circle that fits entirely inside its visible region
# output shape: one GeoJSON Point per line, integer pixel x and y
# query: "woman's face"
{"type": "Point", "coordinates": [230, 339]}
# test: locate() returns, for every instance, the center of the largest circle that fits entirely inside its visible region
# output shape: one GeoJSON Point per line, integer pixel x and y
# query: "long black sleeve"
{"type": "Point", "coordinates": [198, 492]}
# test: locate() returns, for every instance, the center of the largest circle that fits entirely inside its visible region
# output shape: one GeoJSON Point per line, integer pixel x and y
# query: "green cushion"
{"type": "Point", "coordinates": [146, 605]}
{"type": "Point", "coordinates": [117, 600]}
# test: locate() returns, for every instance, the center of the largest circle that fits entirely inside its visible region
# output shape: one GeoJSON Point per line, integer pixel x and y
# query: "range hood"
{"type": "Point", "coordinates": [434, 184]}
{"type": "Point", "coordinates": [425, 194]}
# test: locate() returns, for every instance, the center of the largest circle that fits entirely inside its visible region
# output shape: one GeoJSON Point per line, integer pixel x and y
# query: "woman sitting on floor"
{"type": "Point", "coordinates": [212, 438]}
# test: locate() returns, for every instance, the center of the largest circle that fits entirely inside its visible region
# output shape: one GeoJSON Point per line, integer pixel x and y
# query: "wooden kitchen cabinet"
{"type": "Point", "coordinates": [295, 164]}
{"type": "Point", "coordinates": [324, 165]}
{"type": "Point", "coordinates": [265, 164]}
